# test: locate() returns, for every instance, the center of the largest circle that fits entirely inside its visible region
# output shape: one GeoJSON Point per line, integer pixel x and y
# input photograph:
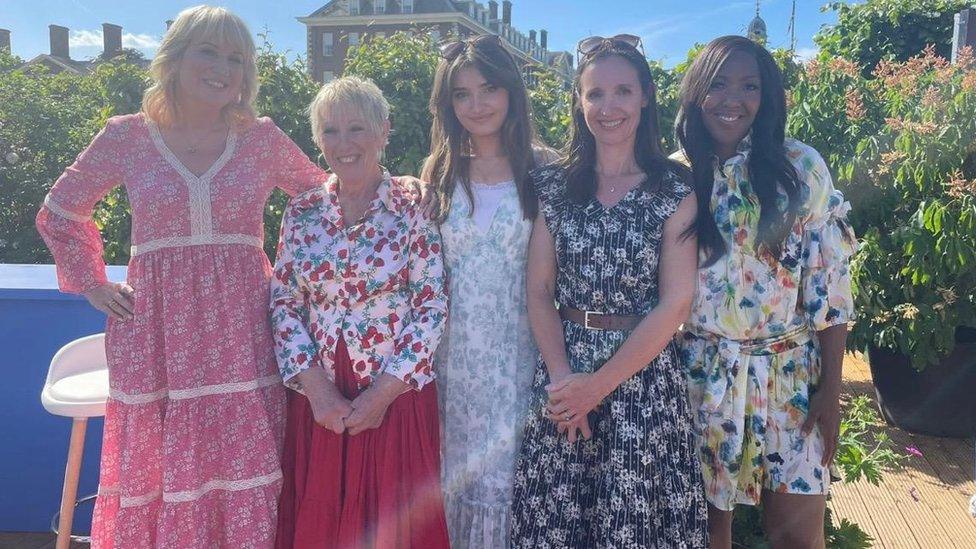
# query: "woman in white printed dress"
{"type": "Point", "coordinates": [765, 340]}
{"type": "Point", "coordinates": [481, 154]}
{"type": "Point", "coordinates": [195, 418]}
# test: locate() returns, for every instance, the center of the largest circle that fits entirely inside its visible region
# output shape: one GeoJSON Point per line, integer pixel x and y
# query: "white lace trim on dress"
{"type": "Point", "coordinates": [195, 240]}
{"type": "Point", "coordinates": [56, 208]}
{"type": "Point", "coordinates": [226, 485]}
{"type": "Point", "coordinates": [192, 495]}
{"type": "Point", "coordinates": [200, 202]}
{"type": "Point", "coordinates": [205, 390]}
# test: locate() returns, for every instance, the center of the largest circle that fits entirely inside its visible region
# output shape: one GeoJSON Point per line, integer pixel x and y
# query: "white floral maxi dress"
{"type": "Point", "coordinates": [484, 364]}
{"type": "Point", "coordinates": [636, 483]}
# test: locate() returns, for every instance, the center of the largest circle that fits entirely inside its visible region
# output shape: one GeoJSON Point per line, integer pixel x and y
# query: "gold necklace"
{"type": "Point", "coordinates": [194, 147]}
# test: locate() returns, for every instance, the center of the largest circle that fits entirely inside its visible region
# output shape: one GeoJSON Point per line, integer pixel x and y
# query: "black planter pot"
{"type": "Point", "coordinates": [938, 401]}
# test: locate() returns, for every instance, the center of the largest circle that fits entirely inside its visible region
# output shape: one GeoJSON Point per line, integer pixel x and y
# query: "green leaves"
{"type": "Point", "coordinates": [403, 67]}
{"type": "Point", "coordinates": [864, 449]}
{"type": "Point", "coordinates": [888, 29]}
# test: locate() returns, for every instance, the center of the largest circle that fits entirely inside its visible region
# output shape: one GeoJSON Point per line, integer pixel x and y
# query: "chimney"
{"type": "Point", "coordinates": [493, 15]}
{"type": "Point", "coordinates": [5, 40]}
{"type": "Point", "coordinates": [544, 39]}
{"type": "Point", "coordinates": [507, 12]}
{"type": "Point", "coordinates": [59, 41]}
{"type": "Point", "coordinates": [169, 23]}
{"type": "Point", "coordinates": [111, 40]}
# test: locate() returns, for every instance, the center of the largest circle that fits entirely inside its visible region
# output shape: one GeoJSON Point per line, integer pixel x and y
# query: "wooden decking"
{"type": "Point", "coordinates": [923, 505]}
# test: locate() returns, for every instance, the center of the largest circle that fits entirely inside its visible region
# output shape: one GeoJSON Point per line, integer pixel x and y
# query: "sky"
{"type": "Point", "coordinates": [668, 27]}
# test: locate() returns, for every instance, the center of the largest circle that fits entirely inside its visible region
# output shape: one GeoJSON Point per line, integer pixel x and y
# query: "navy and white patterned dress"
{"type": "Point", "coordinates": [637, 482]}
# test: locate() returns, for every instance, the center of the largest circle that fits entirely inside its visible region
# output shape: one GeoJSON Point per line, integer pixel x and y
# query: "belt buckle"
{"type": "Point", "coordinates": [586, 320]}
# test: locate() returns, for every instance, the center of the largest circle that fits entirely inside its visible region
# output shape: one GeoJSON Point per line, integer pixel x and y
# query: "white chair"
{"type": "Point", "coordinates": [76, 387]}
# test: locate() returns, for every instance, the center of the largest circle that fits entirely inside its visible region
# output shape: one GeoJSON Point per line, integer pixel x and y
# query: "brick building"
{"type": "Point", "coordinates": [342, 24]}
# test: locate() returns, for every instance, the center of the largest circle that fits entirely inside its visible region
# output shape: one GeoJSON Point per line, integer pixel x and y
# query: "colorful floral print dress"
{"type": "Point", "coordinates": [485, 363]}
{"type": "Point", "coordinates": [195, 418]}
{"type": "Point", "coordinates": [636, 482]}
{"type": "Point", "coordinates": [750, 346]}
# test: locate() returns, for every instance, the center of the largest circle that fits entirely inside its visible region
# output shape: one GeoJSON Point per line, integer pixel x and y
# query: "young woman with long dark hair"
{"type": "Point", "coordinates": [481, 153]}
{"type": "Point", "coordinates": [608, 456]}
{"type": "Point", "coordinates": [765, 340]}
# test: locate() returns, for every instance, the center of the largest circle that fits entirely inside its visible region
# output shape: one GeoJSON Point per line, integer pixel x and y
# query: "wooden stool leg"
{"type": "Point", "coordinates": [71, 473]}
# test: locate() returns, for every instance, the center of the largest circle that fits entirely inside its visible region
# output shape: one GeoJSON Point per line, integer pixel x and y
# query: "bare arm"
{"type": "Point", "coordinates": [676, 276]}
{"type": "Point", "coordinates": [825, 403]}
{"type": "Point", "coordinates": [580, 393]}
{"type": "Point", "coordinates": [540, 289]}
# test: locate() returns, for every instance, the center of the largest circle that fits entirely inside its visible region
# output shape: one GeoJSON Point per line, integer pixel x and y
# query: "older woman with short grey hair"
{"type": "Point", "coordinates": [358, 307]}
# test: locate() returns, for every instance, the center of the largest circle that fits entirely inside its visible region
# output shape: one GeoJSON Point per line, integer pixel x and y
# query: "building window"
{"type": "Point", "coordinates": [328, 47]}
{"type": "Point", "coordinates": [379, 6]}
{"type": "Point", "coordinates": [353, 38]}
{"type": "Point", "coordinates": [354, 7]}
{"type": "Point", "coordinates": [406, 6]}
{"type": "Point", "coordinates": [327, 76]}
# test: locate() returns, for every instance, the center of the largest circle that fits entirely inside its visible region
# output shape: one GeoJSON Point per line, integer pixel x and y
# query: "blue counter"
{"type": "Point", "coordinates": [35, 321]}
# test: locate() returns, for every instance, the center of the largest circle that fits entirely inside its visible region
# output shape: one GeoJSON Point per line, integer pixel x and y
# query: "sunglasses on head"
{"type": "Point", "coordinates": [450, 50]}
{"type": "Point", "coordinates": [589, 46]}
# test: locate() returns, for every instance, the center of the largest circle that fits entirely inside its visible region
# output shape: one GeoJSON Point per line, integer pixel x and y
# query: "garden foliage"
{"type": "Point", "coordinates": [901, 144]}
{"type": "Point", "coordinates": [867, 32]}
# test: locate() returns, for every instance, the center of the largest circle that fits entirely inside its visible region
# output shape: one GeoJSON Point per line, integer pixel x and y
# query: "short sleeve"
{"type": "Point", "coordinates": [295, 172]}
{"type": "Point", "coordinates": [828, 244]}
{"type": "Point", "coordinates": [550, 187]}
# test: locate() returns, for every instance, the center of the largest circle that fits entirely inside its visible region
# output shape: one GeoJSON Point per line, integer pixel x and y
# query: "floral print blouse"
{"type": "Point", "coordinates": [744, 296]}
{"type": "Point", "coordinates": [379, 284]}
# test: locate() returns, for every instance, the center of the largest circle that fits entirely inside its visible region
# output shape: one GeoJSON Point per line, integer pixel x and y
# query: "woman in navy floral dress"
{"type": "Point", "coordinates": [608, 458]}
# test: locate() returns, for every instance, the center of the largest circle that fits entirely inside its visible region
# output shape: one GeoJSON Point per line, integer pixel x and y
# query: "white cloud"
{"type": "Point", "coordinates": [806, 54]}
{"type": "Point", "coordinates": [85, 38]}
{"type": "Point", "coordinates": [93, 38]}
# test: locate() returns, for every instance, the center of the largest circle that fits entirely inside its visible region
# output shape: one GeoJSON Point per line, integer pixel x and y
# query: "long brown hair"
{"type": "Point", "coordinates": [769, 168]}
{"type": "Point", "coordinates": [580, 160]}
{"type": "Point", "coordinates": [449, 160]}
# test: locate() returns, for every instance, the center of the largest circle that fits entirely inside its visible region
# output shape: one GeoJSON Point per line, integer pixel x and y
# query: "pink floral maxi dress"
{"type": "Point", "coordinates": [194, 422]}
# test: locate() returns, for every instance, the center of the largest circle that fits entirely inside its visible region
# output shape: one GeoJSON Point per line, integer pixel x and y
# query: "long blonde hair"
{"type": "Point", "coordinates": [203, 22]}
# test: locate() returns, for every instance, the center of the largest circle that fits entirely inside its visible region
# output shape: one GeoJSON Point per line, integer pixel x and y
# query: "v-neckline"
{"type": "Point", "coordinates": [229, 147]}
{"type": "Point", "coordinates": [605, 208]}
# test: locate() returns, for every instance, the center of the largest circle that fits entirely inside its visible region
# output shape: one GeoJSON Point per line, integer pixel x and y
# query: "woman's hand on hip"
{"type": "Point", "coordinates": [369, 408]}
{"type": "Point", "coordinates": [115, 299]}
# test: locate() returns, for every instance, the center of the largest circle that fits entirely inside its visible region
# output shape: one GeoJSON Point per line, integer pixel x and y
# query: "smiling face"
{"type": "Point", "coordinates": [611, 99]}
{"type": "Point", "coordinates": [732, 102]}
{"type": "Point", "coordinates": [480, 107]}
{"type": "Point", "coordinates": [350, 145]}
{"type": "Point", "coordinates": [210, 75]}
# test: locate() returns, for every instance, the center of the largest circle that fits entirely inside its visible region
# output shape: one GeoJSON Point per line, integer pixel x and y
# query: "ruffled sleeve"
{"type": "Point", "coordinates": [828, 244]}
{"type": "Point", "coordinates": [64, 220]}
{"type": "Point", "coordinates": [295, 172]}
{"type": "Point", "coordinates": [550, 187]}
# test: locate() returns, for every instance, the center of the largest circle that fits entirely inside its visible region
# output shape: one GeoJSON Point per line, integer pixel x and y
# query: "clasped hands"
{"type": "Point", "coordinates": [339, 414]}
{"type": "Point", "coordinates": [571, 397]}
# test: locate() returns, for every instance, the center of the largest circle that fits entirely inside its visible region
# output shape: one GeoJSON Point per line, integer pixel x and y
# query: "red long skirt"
{"type": "Point", "coordinates": [379, 489]}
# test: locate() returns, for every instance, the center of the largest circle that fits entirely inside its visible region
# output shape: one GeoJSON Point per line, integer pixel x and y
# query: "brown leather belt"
{"type": "Point", "coordinates": [599, 321]}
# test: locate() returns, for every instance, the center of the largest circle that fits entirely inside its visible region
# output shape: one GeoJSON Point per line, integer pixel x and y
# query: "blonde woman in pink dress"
{"type": "Point", "coordinates": [194, 424]}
